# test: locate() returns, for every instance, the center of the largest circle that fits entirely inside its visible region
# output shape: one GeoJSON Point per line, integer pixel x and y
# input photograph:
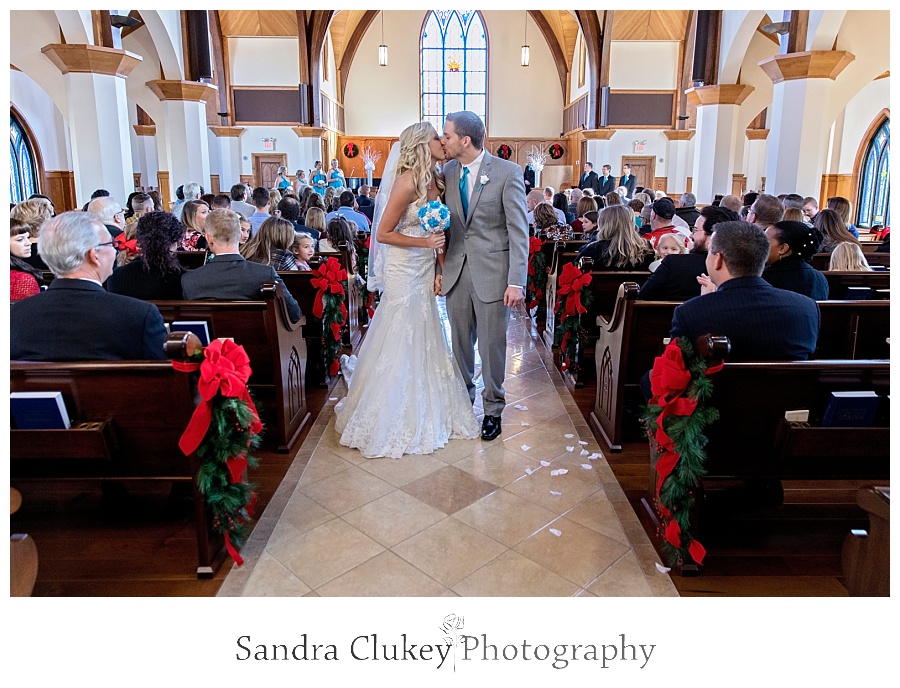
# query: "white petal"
{"type": "Point", "coordinates": [584, 452]}
{"type": "Point", "coordinates": [570, 449]}
{"type": "Point", "coordinates": [587, 466]}
{"type": "Point", "coordinates": [555, 493]}
{"type": "Point", "coordinates": [581, 442]}
{"type": "Point", "coordinates": [661, 568]}
{"type": "Point", "coordinates": [545, 463]}
{"type": "Point", "coordinates": [555, 532]}
{"type": "Point", "coordinates": [525, 447]}
{"type": "Point", "coordinates": [570, 435]}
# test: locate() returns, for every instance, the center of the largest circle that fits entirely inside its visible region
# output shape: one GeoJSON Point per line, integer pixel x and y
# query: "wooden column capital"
{"type": "Point", "coordinates": [757, 134]}
{"type": "Point", "coordinates": [227, 132]}
{"type": "Point", "coordinates": [193, 91]}
{"type": "Point", "coordinates": [144, 129]}
{"type": "Point", "coordinates": [812, 64]}
{"type": "Point", "coordinates": [309, 132]}
{"type": "Point", "coordinates": [679, 134]}
{"type": "Point", "coordinates": [91, 59]}
{"type": "Point", "coordinates": [598, 134]}
{"type": "Point", "coordinates": [719, 94]}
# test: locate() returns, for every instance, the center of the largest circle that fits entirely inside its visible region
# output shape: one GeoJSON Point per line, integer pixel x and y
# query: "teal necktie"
{"type": "Point", "coordinates": [464, 191]}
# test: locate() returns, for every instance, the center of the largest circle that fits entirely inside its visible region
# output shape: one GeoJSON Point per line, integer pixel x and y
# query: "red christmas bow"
{"type": "Point", "coordinates": [329, 280]}
{"type": "Point", "coordinates": [571, 281]}
{"type": "Point", "coordinates": [225, 370]}
{"type": "Point", "coordinates": [130, 246]}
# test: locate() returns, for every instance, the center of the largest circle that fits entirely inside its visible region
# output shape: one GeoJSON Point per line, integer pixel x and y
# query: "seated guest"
{"type": "Point", "coordinates": [589, 224]}
{"type": "Point", "coordinates": [676, 277]}
{"type": "Point", "coordinates": [260, 197]}
{"type": "Point", "coordinates": [315, 222]}
{"type": "Point", "coordinates": [560, 203]}
{"type": "Point", "coordinates": [791, 245]}
{"type": "Point", "coordinates": [848, 257]}
{"type": "Point", "coordinates": [24, 279]}
{"type": "Point", "coordinates": [303, 249]}
{"type": "Point", "coordinates": [618, 245]}
{"type": "Point", "coordinates": [574, 196]}
{"type": "Point", "coordinates": [220, 202]}
{"type": "Point", "coordinates": [764, 323]}
{"type": "Point", "coordinates": [687, 208]}
{"type": "Point", "coordinates": [841, 206]}
{"type": "Point", "coordinates": [155, 273]}
{"type": "Point", "coordinates": [792, 214]}
{"type": "Point", "coordinates": [662, 221]}
{"type": "Point", "coordinates": [245, 230]}
{"type": "Point", "coordinates": [139, 205]}
{"type": "Point", "coordinates": [585, 205]}
{"type": "Point", "coordinates": [110, 213]}
{"type": "Point", "coordinates": [76, 319]}
{"type": "Point", "coordinates": [731, 202]}
{"type": "Point", "coordinates": [363, 199]}
{"type": "Point", "coordinates": [535, 198]}
{"type": "Point", "coordinates": [832, 229]}
{"type": "Point", "coordinates": [271, 245]}
{"type": "Point", "coordinates": [347, 201]}
{"type": "Point", "coordinates": [33, 213]}
{"type": "Point", "coordinates": [765, 210]}
{"type": "Point", "coordinates": [545, 219]}
{"type": "Point", "coordinates": [228, 276]}
{"type": "Point", "coordinates": [193, 217]}
{"type": "Point", "coordinates": [290, 211]}
{"type": "Point", "coordinates": [667, 246]}
{"type": "Point", "coordinates": [239, 195]}
{"type": "Point", "coordinates": [612, 198]}
{"type": "Point", "coordinates": [339, 232]}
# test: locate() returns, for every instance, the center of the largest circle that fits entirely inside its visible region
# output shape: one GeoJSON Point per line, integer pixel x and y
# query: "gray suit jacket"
{"type": "Point", "coordinates": [494, 235]}
{"type": "Point", "coordinates": [233, 278]}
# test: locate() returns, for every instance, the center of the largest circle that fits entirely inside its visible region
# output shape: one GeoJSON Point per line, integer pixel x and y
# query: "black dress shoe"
{"type": "Point", "coordinates": [490, 427]}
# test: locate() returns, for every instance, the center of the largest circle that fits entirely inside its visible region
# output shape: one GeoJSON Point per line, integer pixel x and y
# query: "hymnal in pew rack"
{"type": "Point", "coordinates": [39, 411]}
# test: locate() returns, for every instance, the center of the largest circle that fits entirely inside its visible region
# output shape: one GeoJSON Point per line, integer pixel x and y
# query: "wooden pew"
{"type": "Point", "coordinates": [820, 260]}
{"type": "Point", "coordinates": [128, 417]}
{"type": "Point", "coordinates": [299, 284]}
{"type": "Point", "coordinates": [277, 351]}
{"type": "Point", "coordinates": [839, 282]}
{"type": "Point", "coordinates": [352, 333]}
{"type": "Point", "coordinates": [866, 555]}
{"type": "Point", "coordinates": [190, 260]}
{"type": "Point", "coordinates": [564, 252]}
{"type": "Point", "coordinates": [632, 337]}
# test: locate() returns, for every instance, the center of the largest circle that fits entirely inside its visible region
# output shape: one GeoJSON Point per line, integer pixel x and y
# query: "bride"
{"type": "Point", "coordinates": [406, 396]}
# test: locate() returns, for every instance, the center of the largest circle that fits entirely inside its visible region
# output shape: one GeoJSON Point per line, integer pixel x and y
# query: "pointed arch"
{"type": "Point", "coordinates": [26, 167]}
{"type": "Point", "coordinates": [871, 172]}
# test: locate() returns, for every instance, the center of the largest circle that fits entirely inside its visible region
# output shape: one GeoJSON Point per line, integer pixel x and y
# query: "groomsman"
{"type": "Point", "coordinates": [606, 182]}
{"type": "Point", "coordinates": [529, 174]}
{"type": "Point", "coordinates": [628, 180]}
{"type": "Point", "coordinates": [589, 179]}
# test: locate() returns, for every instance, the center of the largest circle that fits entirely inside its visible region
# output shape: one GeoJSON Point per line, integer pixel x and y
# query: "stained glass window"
{"type": "Point", "coordinates": [875, 184]}
{"type": "Point", "coordinates": [22, 170]}
{"type": "Point", "coordinates": [454, 65]}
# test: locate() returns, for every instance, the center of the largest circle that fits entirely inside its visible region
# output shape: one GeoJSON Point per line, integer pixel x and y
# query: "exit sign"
{"type": "Point", "coordinates": [269, 144]}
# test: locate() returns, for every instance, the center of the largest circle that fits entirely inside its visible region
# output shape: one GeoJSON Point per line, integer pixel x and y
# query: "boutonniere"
{"type": "Point", "coordinates": [484, 179]}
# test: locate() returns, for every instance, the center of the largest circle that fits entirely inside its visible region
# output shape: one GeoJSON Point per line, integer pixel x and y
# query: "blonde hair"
{"type": "Point", "coordinates": [274, 200]}
{"type": "Point", "coordinates": [223, 226]}
{"type": "Point", "coordinates": [793, 215]}
{"type": "Point", "coordinates": [315, 219]}
{"type": "Point", "coordinates": [34, 212]}
{"type": "Point", "coordinates": [626, 248]}
{"type": "Point", "coordinates": [679, 243]}
{"type": "Point", "coordinates": [272, 234]}
{"type": "Point", "coordinates": [415, 157]}
{"type": "Point", "coordinates": [848, 257]}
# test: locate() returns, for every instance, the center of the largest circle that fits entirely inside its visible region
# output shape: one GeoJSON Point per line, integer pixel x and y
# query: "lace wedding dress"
{"type": "Point", "coordinates": [407, 396]}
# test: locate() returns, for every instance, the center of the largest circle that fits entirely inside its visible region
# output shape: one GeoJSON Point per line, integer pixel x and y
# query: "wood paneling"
{"type": "Point", "coordinates": [59, 185]}
{"type": "Point", "coordinates": [813, 64]}
{"type": "Point", "coordinates": [575, 115]}
{"type": "Point", "coordinates": [165, 192]}
{"type": "Point", "coordinates": [643, 167]}
{"type": "Point", "coordinates": [649, 25]}
{"type": "Point", "coordinates": [738, 184]}
{"type": "Point", "coordinates": [837, 185]}
{"type": "Point", "coordinates": [258, 22]}
{"type": "Point", "coordinates": [353, 167]}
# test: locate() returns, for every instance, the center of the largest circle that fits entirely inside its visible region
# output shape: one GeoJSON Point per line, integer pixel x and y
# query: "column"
{"type": "Point", "coordinates": [679, 164]}
{"type": "Point", "coordinates": [718, 107]}
{"type": "Point", "coordinates": [310, 147]}
{"type": "Point", "coordinates": [97, 116]}
{"type": "Point", "coordinates": [147, 162]}
{"type": "Point", "coordinates": [599, 149]}
{"type": "Point", "coordinates": [756, 159]}
{"type": "Point", "coordinates": [184, 151]}
{"type": "Point", "coordinates": [799, 140]}
{"type": "Point", "coordinates": [228, 140]}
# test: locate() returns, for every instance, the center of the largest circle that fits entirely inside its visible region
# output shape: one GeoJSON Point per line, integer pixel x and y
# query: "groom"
{"type": "Point", "coordinates": [485, 266]}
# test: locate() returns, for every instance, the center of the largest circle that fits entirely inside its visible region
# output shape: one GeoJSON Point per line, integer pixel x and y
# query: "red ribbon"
{"type": "Point", "coordinates": [224, 370]}
{"type": "Point", "coordinates": [232, 552]}
{"type": "Point", "coordinates": [571, 282]}
{"type": "Point", "coordinates": [236, 466]}
{"type": "Point", "coordinates": [329, 281]}
{"type": "Point", "coordinates": [130, 246]}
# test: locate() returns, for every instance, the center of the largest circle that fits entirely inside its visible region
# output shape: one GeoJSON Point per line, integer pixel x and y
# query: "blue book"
{"type": "Point", "coordinates": [198, 327]}
{"type": "Point", "coordinates": [851, 410]}
{"type": "Point", "coordinates": [39, 411]}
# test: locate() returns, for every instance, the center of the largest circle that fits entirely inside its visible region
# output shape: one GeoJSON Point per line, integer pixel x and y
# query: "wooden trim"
{"type": "Point", "coordinates": [811, 64]}
{"type": "Point", "coordinates": [144, 129]}
{"type": "Point", "coordinates": [757, 134]}
{"type": "Point", "coordinates": [591, 35]}
{"type": "Point", "coordinates": [309, 132]}
{"type": "Point", "coordinates": [255, 163]}
{"type": "Point", "coordinates": [190, 91]}
{"type": "Point", "coordinates": [738, 184]}
{"type": "Point", "coordinates": [214, 184]}
{"type": "Point", "coordinates": [318, 30]}
{"type": "Point", "coordinates": [860, 157]}
{"type": "Point", "coordinates": [598, 134]}
{"type": "Point", "coordinates": [352, 46]}
{"type": "Point", "coordinates": [227, 132]}
{"type": "Point", "coordinates": [720, 94]}
{"type": "Point", "coordinates": [102, 28]}
{"type": "Point", "coordinates": [223, 80]}
{"type": "Point", "coordinates": [556, 50]}
{"type": "Point", "coordinates": [91, 59]}
{"type": "Point", "coordinates": [162, 177]}
{"type": "Point", "coordinates": [799, 28]}
{"type": "Point", "coordinates": [59, 185]}
{"type": "Point", "coordinates": [32, 145]}
{"type": "Point", "coordinates": [687, 65]}
{"type": "Point", "coordinates": [679, 134]}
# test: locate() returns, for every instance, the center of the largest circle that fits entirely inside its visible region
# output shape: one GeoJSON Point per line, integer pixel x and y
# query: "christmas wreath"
{"type": "Point", "coordinates": [572, 297]}
{"type": "Point", "coordinates": [329, 307]}
{"type": "Point", "coordinates": [537, 273]}
{"type": "Point", "coordinates": [351, 150]}
{"type": "Point", "coordinates": [556, 151]}
{"type": "Point", "coordinates": [224, 428]}
{"type": "Point", "coordinates": [504, 151]}
{"type": "Point", "coordinates": [676, 418]}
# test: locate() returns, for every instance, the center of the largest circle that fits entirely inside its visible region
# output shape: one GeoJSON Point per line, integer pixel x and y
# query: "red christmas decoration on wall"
{"type": "Point", "coordinates": [351, 150]}
{"type": "Point", "coordinates": [556, 151]}
{"type": "Point", "coordinates": [504, 151]}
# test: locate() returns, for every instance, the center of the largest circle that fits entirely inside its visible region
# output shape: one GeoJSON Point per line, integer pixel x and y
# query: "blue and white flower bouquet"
{"type": "Point", "coordinates": [434, 216]}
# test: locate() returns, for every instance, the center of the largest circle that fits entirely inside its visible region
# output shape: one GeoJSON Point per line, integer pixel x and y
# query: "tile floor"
{"type": "Point", "coordinates": [473, 519]}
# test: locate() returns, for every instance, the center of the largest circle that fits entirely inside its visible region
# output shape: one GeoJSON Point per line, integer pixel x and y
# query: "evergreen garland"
{"type": "Point", "coordinates": [329, 307]}
{"type": "Point", "coordinates": [572, 297]}
{"type": "Point", "coordinates": [537, 274]}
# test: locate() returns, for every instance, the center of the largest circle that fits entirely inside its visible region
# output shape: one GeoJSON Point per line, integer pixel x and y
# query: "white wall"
{"type": "Point", "coordinates": [574, 91]}
{"type": "Point", "coordinates": [329, 87]}
{"type": "Point", "coordinates": [644, 65]}
{"type": "Point", "coordinates": [42, 117]}
{"type": "Point", "coordinates": [858, 116]}
{"type": "Point", "coordinates": [264, 61]}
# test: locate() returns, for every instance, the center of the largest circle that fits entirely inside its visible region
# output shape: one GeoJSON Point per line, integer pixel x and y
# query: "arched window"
{"type": "Point", "coordinates": [875, 182]}
{"type": "Point", "coordinates": [454, 65]}
{"type": "Point", "coordinates": [22, 168]}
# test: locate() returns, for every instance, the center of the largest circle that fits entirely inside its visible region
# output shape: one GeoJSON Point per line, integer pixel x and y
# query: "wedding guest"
{"type": "Point", "coordinates": [245, 230]}
{"type": "Point", "coordinates": [612, 198]}
{"type": "Point", "coordinates": [193, 217]}
{"type": "Point", "coordinates": [155, 274]}
{"type": "Point", "coordinates": [339, 232]}
{"type": "Point", "coordinates": [848, 257]}
{"type": "Point", "coordinates": [832, 230]}
{"type": "Point", "coordinates": [560, 203]}
{"type": "Point", "coordinates": [221, 202]}
{"type": "Point", "coordinates": [545, 219]}
{"type": "Point", "coordinates": [271, 245]}
{"type": "Point", "coordinates": [24, 279]}
{"type": "Point", "coordinates": [260, 198]}
{"type": "Point", "coordinates": [589, 225]}
{"type": "Point", "coordinates": [315, 221]}
{"type": "Point", "coordinates": [34, 212]}
{"type": "Point", "coordinates": [303, 249]}
{"type": "Point", "coordinates": [668, 244]}
{"type": "Point", "coordinates": [791, 245]}
{"type": "Point", "coordinates": [618, 245]}
{"type": "Point", "coordinates": [584, 205]}
{"type": "Point", "coordinates": [793, 215]}
{"type": "Point", "coordinates": [841, 206]}
{"type": "Point", "coordinates": [274, 200]}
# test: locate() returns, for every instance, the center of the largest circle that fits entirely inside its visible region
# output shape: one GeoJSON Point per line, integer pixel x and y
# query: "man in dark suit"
{"type": "Point", "coordinates": [76, 319]}
{"type": "Point", "coordinates": [363, 199]}
{"type": "Point", "coordinates": [589, 179]}
{"type": "Point", "coordinates": [687, 208]}
{"type": "Point", "coordinates": [606, 182]}
{"type": "Point", "coordinates": [628, 180]}
{"type": "Point", "coordinates": [529, 174]}
{"type": "Point", "coordinates": [676, 277]}
{"type": "Point", "coordinates": [229, 276]}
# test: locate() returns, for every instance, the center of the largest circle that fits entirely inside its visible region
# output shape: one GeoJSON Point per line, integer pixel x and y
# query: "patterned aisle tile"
{"type": "Point", "coordinates": [545, 441]}
{"type": "Point", "coordinates": [385, 575]}
{"type": "Point", "coordinates": [347, 490]}
{"type": "Point", "coordinates": [449, 489]}
{"type": "Point", "coordinates": [300, 515]}
{"type": "Point", "coordinates": [623, 579]}
{"type": "Point", "coordinates": [540, 486]}
{"type": "Point", "coordinates": [270, 578]}
{"type": "Point", "coordinates": [498, 465]}
{"type": "Point", "coordinates": [512, 575]}
{"type": "Point", "coordinates": [505, 517]}
{"type": "Point", "coordinates": [323, 463]}
{"type": "Point", "coordinates": [393, 518]}
{"type": "Point", "coordinates": [400, 471]}
{"type": "Point", "coordinates": [597, 513]}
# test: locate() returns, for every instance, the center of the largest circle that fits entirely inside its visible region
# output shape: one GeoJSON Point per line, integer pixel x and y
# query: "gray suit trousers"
{"type": "Point", "coordinates": [472, 319]}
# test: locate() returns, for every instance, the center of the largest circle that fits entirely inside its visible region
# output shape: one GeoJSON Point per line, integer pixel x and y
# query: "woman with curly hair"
{"type": "Point", "coordinates": [34, 212]}
{"type": "Point", "coordinates": [426, 403]}
{"type": "Point", "coordinates": [618, 245]}
{"type": "Point", "coordinates": [24, 280]}
{"type": "Point", "coordinates": [832, 230]}
{"type": "Point", "coordinates": [156, 272]}
{"type": "Point", "coordinates": [194, 218]}
{"type": "Point", "coordinates": [271, 245]}
{"type": "Point", "coordinates": [328, 199]}
{"type": "Point", "coordinates": [791, 246]}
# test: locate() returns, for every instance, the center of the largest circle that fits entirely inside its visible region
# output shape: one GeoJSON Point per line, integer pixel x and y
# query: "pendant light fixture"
{"type": "Point", "coordinates": [382, 49]}
{"type": "Point", "coordinates": [526, 51]}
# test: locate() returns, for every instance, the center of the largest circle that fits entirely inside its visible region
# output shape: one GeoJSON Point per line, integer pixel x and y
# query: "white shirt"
{"type": "Point", "coordinates": [473, 168]}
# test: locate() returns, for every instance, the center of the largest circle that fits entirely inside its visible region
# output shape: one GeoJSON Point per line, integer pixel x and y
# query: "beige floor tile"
{"type": "Point", "coordinates": [300, 515]}
{"type": "Point", "coordinates": [497, 464]}
{"type": "Point", "coordinates": [270, 578]}
{"type": "Point", "coordinates": [322, 464]}
{"type": "Point", "coordinates": [512, 575]}
{"type": "Point", "coordinates": [623, 579]}
{"type": "Point", "coordinates": [541, 407]}
{"type": "Point", "coordinates": [538, 488]}
{"type": "Point", "coordinates": [505, 517]}
{"type": "Point", "coordinates": [393, 518]}
{"type": "Point", "coordinates": [385, 575]}
{"type": "Point", "coordinates": [521, 388]}
{"type": "Point", "coordinates": [326, 552]}
{"type": "Point", "coordinates": [449, 550]}
{"type": "Point", "coordinates": [578, 554]}
{"type": "Point", "coordinates": [404, 470]}
{"type": "Point", "coordinates": [546, 440]}
{"type": "Point", "coordinates": [457, 449]}
{"type": "Point", "coordinates": [449, 489]}
{"type": "Point", "coordinates": [347, 490]}
{"type": "Point", "coordinates": [539, 375]}
{"type": "Point", "coordinates": [575, 463]}
{"type": "Point", "coordinates": [597, 513]}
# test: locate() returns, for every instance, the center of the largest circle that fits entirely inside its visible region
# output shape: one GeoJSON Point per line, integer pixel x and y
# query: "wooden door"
{"type": "Point", "coordinates": [643, 167]}
{"type": "Point", "coordinates": [265, 168]}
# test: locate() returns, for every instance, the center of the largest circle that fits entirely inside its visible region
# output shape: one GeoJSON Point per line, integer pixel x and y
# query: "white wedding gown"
{"type": "Point", "coordinates": [407, 395]}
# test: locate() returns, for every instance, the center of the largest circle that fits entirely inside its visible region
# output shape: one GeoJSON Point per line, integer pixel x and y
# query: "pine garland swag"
{"type": "Point", "coordinates": [572, 298]}
{"type": "Point", "coordinates": [676, 419]}
{"type": "Point", "coordinates": [537, 274]}
{"type": "Point", "coordinates": [329, 306]}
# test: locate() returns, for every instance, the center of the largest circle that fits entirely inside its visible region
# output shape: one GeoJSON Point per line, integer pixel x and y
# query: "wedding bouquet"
{"type": "Point", "coordinates": [434, 217]}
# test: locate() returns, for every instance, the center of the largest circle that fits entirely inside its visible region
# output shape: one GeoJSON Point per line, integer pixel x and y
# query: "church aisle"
{"type": "Point", "coordinates": [473, 519]}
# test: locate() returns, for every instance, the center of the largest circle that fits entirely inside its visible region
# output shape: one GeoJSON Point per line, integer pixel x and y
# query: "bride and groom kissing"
{"type": "Point", "coordinates": [408, 395]}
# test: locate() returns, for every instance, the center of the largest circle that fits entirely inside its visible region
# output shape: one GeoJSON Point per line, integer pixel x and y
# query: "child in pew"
{"type": "Point", "coordinates": [668, 243]}
{"type": "Point", "coordinates": [848, 257]}
{"type": "Point", "coordinates": [303, 249]}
